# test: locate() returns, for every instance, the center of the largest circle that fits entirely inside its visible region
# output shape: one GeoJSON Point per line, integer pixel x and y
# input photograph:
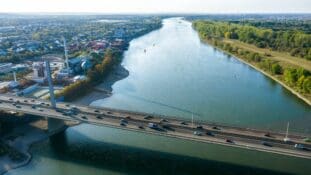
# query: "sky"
{"type": "Point", "coordinates": [157, 6]}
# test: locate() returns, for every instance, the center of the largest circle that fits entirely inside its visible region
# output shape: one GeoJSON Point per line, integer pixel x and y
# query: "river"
{"type": "Point", "coordinates": [173, 73]}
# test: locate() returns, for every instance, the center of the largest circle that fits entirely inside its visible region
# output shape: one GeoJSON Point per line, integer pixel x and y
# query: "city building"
{"type": "Point", "coordinates": [39, 72]}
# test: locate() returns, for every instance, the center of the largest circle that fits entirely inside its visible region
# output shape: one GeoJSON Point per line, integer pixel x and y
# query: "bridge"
{"type": "Point", "coordinates": [153, 124]}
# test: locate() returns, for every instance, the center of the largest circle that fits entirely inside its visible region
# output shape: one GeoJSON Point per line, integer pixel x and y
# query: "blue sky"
{"type": "Point", "coordinates": [158, 6]}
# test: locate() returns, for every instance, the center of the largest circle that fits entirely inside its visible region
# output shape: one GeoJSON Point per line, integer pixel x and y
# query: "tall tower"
{"type": "Point", "coordinates": [66, 53]}
{"type": "Point", "coordinates": [51, 88]}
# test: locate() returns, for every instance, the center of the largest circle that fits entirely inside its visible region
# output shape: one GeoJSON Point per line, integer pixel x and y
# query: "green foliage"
{"type": "Point", "coordinates": [94, 76]}
{"type": "Point", "coordinates": [276, 69]}
{"type": "Point", "coordinates": [296, 42]}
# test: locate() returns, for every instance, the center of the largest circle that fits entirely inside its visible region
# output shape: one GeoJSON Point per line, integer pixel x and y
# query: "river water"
{"type": "Point", "coordinates": [173, 73]}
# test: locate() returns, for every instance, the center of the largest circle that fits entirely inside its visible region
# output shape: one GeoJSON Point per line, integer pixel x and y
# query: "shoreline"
{"type": "Point", "coordinates": [26, 135]}
{"type": "Point", "coordinates": [290, 89]}
{"type": "Point", "coordinates": [104, 89]}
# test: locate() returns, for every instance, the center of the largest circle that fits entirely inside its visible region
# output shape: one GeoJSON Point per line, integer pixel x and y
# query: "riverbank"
{"type": "Point", "coordinates": [104, 89]}
{"type": "Point", "coordinates": [292, 90]}
{"type": "Point", "coordinates": [20, 140]}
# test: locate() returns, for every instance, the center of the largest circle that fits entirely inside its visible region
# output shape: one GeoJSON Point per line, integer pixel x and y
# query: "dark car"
{"type": "Point", "coordinates": [267, 134]}
{"type": "Point", "coordinates": [99, 117]}
{"type": "Point", "coordinates": [140, 126]}
{"type": "Point", "coordinates": [209, 133]}
{"type": "Point", "coordinates": [97, 111]}
{"type": "Point", "coordinates": [148, 117]}
{"type": "Point", "coordinates": [122, 124]}
{"type": "Point", "coordinates": [199, 127]}
{"type": "Point", "coordinates": [84, 117]}
{"type": "Point", "coordinates": [216, 128]}
{"type": "Point", "coordinates": [183, 123]}
{"type": "Point", "coordinates": [266, 144]}
{"type": "Point", "coordinates": [229, 141]}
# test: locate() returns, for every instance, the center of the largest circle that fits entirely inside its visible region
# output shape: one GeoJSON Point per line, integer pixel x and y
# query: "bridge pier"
{"type": "Point", "coordinates": [56, 126]}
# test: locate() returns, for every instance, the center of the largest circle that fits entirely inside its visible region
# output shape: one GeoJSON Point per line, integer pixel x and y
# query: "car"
{"type": "Point", "coordinates": [140, 126]}
{"type": "Point", "coordinates": [267, 134]}
{"type": "Point", "coordinates": [17, 106]}
{"type": "Point", "coordinates": [183, 123]}
{"type": "Point", "coordinates": [266, 144]}
{"type": "Point", "coordinates": [14, 104]}
{"type": "Point", "coordinates": [109, 112]}
{"type": "Point", "coordinates": [67, 105]}
{"type": "Point", "coordinates": [216, 128]}
{"type": "Point", "coordinates": [163, 120]}
{"type": "Point", "coordinates": [299, 146]}
{"type": "Point", "coordinates": [152, 125]}
{"type": "Point", "coordinates": [97, 111]}
{"type": "Point", "coordinates": [99, 117]}
{"type": "Point", "coordinates": [17, 101]}
{"type": "Point", "coordinates": [32, 100]}
{"type": "Point", "coordinates": [11, 99]}
{"type": "Point", "coordinates": [148, 117]}
{"type": "Point", "coordinates": [199, 127]}
{"type": "Point", "coordinates": [167, 127]}
{"type": "Point", "coordinates": [26, 101]}
{"type": "Point", "coordinates": [197, 133]}
{"type": "Point", "coordinates": [209, 133]}
{"type": "Point", "coordinates": [0, 102]}
{"type": "Point", "coordinates": [41, 110]}
{"type": "Point", "coordinates": [122, 124]}
{"type": "Point", "coordinates": [33, 106]}
{"type": "Point", "coordinates": [84, 117]}
{"type": "Point", "coordinates": [123, 121]}
{"type": "Point", "coordinates": [229, 141]}
{"type": "Point", "coordinates": [128, 117]}
{"type": "Point", "coordinates": [58, 110]}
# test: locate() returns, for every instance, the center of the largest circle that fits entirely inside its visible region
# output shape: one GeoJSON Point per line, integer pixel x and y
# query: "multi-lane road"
{"type": "Point", "coordinates": [170, 127]}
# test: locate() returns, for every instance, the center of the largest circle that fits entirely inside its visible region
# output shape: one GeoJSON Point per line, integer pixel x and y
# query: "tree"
{"type": "Point", "coordinates": [276, 69]}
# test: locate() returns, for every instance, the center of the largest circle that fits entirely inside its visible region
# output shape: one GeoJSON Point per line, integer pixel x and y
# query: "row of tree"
{"type": "Point", "coordinates": [296, 42]}
{"type": "Point", "coordinates": [298, 78]}
{"type": "Point", "coordinates": [94, 76]}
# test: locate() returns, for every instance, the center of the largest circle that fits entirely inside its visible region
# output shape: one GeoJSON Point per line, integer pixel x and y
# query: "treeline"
{"type": "Point", "coordinates": [94, 77]}
{"type": "Point", "coordinates": [298, 78]}
{"type": "Point", "coordinates": [296, 42]}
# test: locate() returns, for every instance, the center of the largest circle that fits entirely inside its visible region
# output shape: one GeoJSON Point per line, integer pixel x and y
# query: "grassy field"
{"type": "Point", "coordinates": [282, 57]}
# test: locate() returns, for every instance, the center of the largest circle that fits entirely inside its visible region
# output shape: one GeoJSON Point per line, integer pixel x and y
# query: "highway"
{"type": "Point", "coordinates": [170, 127]}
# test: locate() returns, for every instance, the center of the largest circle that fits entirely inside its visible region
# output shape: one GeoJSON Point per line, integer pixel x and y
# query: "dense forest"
{"type": "Point", "coordinates": [298, 43]}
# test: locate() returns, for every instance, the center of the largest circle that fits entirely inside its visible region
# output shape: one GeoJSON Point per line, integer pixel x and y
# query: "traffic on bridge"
{"type": "Point", "coordinates": [292, 145]}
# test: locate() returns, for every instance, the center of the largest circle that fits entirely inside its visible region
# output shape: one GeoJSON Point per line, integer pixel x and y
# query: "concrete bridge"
{"type": "Point", "coordinates": [153, 124]}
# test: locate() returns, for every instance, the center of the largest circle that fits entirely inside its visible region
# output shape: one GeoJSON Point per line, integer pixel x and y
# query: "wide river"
{"type": "Point", "coordinates": [173, 73]}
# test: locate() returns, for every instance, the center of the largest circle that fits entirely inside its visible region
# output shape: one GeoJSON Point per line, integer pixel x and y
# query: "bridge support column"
{"type": "Point", "coordinates": [56, 126]}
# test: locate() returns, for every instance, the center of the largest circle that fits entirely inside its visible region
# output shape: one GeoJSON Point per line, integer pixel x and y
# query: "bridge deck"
{"type": "Point", "coordinates": [173, 127]}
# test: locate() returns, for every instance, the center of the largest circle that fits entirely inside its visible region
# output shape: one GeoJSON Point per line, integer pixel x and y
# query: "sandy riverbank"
{"type": "Point", "coordinates": [104, 90]}
{"type": "Point", "coordinates": [20, 140]}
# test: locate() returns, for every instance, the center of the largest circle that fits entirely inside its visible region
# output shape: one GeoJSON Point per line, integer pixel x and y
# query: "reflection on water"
{"type": "Point", "coordinates": [88, 149]}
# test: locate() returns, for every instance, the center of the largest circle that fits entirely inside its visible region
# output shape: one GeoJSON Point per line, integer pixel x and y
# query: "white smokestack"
{"type": "Point", "coordinates": [14, 75]}
{"type": "Point", "coordinates": [66, 53]}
